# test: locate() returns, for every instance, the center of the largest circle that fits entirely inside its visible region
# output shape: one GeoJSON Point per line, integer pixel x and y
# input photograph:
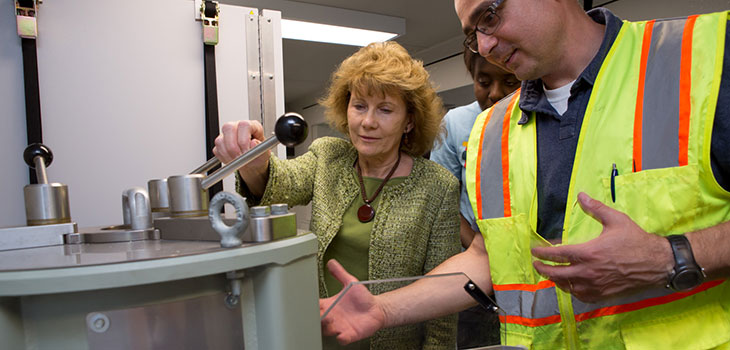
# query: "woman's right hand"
{"type": "Point", "coordinates": [237, 138]}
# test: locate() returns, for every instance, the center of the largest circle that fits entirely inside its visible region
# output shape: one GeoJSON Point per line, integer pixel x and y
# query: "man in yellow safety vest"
{"type": "Point", "coordinates": [600, 188]}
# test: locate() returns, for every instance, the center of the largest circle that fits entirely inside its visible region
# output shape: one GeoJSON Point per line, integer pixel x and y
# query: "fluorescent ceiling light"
{"type": "Point", "coordinates": [325, 33]}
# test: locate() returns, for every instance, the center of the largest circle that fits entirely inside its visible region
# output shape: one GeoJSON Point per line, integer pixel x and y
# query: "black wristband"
{"type": "Point", "coordinates": [686, 274]}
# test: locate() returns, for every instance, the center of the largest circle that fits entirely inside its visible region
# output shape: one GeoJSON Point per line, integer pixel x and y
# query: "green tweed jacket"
{"type": "Point", "coordinates": [415, 229]}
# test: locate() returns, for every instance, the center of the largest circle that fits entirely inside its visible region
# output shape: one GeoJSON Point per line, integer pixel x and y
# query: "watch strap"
{"type": "Point", "coordinates": [684, 259]}
{"type": "Point", "coordinates": [682, 251]}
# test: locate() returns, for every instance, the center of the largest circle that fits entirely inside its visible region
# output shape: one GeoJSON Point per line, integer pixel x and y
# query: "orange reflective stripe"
{"type": "Point", "coordinates": [617, 309]}
{"type": "Point", "coordinates": [479, 166]}
{"type": "Point", "coordinates": [638, 115]}
{"type": "Point", "coordinates": [505, 157]}
{"type": "Point", "coordinates": [530, 322]}
{"type": "Point", "coordinates": [525, 287]}
{"type": "Point", "coordinates": [685, 84]}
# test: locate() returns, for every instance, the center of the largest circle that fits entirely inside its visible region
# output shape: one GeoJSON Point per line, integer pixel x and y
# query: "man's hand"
{"type": "Point", "coordinates": [356, 316]}
{"type": "Point", "coordinates": [623, 260]}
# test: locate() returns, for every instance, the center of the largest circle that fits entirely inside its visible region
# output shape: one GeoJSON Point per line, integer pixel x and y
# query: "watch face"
{"type": "Point", "coordinates": [687, 279]}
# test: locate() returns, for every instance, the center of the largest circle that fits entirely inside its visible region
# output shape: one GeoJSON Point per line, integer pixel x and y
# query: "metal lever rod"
{"type": "Point", "coordinates": [40, 170]}
{"type": "Point", "coordinates": [210, 164]}
{"type": "Point", "coordinates": [239, 162]}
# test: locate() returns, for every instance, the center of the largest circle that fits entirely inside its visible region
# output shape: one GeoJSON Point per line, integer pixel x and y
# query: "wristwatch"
{"type": "Point", "coordinates": [686, 274]}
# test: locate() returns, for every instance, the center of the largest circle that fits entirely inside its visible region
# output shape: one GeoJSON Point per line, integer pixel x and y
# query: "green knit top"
{"type": "Point", "coordinates": [416, 226]}
{"type": "Point", "coordinates": [351, 245]}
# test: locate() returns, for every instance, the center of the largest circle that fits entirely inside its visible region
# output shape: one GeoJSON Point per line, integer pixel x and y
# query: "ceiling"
{"type": "Point", "coordinates": [308, 65]}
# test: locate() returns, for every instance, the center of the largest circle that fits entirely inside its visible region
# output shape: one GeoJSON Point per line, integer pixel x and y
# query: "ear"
{"type": "Point", "coordinates": [410, 124]}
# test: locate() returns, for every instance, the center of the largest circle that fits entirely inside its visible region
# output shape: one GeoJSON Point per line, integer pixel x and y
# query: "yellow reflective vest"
{"type": "Point", "coordinates": [651, 113]}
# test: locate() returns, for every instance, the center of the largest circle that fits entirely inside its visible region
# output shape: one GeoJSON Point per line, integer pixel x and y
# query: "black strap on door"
{"type": "Point", "coordinates": [209, 17]}
{"type": "Point", "coordinates": [25, 15]}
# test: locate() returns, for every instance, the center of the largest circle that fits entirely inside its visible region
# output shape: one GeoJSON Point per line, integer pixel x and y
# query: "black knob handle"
{"type": "Point", "coordinates": [291, 129]}
{"type": "Point", "coordinates": [37, 150]}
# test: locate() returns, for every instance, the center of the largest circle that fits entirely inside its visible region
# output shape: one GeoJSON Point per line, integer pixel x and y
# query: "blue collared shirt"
{"type": "Point", "coordinates": [451, 153]}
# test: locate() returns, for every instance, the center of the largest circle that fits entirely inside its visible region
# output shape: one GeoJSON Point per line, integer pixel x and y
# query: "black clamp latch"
{"type": "Point", "coordinates": [482, 298]}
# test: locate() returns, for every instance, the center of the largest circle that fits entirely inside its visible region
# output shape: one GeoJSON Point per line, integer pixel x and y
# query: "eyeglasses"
{"type": "Point", "coordinates": [487, 24]}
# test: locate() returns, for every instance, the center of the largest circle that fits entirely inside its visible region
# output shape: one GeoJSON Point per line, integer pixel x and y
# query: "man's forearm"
{"type": "Point", "coordinates": [710, 247]}
{"type": "Point", "coordinates": [435, 297]}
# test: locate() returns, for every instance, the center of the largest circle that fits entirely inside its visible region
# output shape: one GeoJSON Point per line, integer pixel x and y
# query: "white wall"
{"type": "Point", "coordinates": [122, 98]}
{"type": "Point", "coordinates": [13, 172]}
{"type": "Point", "coordinates": [449, 74]}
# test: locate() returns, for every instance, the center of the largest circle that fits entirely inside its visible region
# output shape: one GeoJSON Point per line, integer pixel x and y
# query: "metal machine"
{"type": "Point", "coordinates": [120, 81]}
{"type": "Point", "coordinates": [163, 281]}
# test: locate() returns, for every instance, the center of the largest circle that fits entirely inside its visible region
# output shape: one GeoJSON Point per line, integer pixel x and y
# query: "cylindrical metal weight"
{"type": "Point", "coordinates": [187, 196]}
{"type": "Point", "coordinates": [261, 224]}
{"type": "Point", "coordinates": [159, 197]}
{"type": "Point", "coordinates": [136, 209]}
{"type": "Point", "coordinates": [46, 204]}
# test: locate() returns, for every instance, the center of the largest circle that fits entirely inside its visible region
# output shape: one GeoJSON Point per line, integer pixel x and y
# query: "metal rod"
{"type": "Point", "coordinates": [40, 170]}
{"type": "Point", "coordinates": [210, 164]}
{"type": "Point", "coordinates": [239, 162]}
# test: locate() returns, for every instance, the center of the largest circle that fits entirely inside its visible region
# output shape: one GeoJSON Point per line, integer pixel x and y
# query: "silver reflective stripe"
{"type": "Point", "coordinates": [491, 167]}
{"type": "Point", "coordinates": [544, 302]}
{"type": "Point", "coordinates": [580, 307]}
{"type": "Point", "coordinates": [538, 304]}
{"type": "Point", "coordinates": [660, 126]}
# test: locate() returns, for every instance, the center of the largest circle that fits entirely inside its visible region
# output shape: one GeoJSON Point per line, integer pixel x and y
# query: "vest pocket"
{"type": "Point", "coordinates": [509, 241]}
{"type": "Point", "coordinates": [704, 327]}
{"type": "Point", "coordinates": [661, 201]}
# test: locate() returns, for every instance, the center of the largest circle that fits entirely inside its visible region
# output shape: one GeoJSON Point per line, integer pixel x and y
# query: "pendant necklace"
{"type": "Point", "coordinates": [366, 211]}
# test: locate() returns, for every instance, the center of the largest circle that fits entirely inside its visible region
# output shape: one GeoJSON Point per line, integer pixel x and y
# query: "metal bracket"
{"type": "Point", "coordinates": [268, 71]}
{"type": "Point", "coordinates": [196, 9]}
{"type": "Point", "coordinates": [25, 15]}
{"type": "Point", "coordinates": [111, 234]}
{"type": "Point", "coordinates": [209, 17]}
{"type": "Point", "coordinates": [253, 57]}
{"type": "Point", "coordinates": [233, 298]}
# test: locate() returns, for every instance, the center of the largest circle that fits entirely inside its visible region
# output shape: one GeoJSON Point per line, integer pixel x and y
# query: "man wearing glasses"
{"type": "Point", "coordinates": [601, 187]}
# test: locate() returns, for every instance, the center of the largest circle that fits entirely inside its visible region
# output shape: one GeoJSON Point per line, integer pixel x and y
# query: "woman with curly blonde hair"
{"type": "Point", "coordinates": [378, 207]}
